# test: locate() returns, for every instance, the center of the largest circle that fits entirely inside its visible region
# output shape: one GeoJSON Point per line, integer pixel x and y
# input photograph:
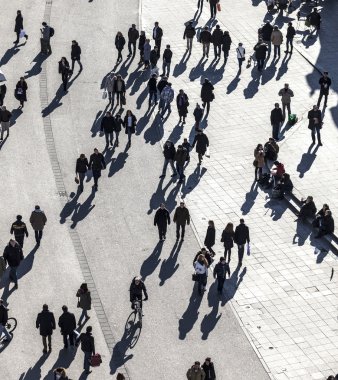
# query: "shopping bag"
{"type": "Point", "coordinates": [22, 33]}
{"type": "Point", "coordinates": [207, 153]}
{"type": "Point", "coordinates": [77, 180]}
{"type": "Point", "coordinates": [104, 95]}
{"type": "Point", "coordinates": [248, 249]}
{"type": "Point", "coordinates": [95, 360]}
{"type": "Point", "coordinates": [218, 7]}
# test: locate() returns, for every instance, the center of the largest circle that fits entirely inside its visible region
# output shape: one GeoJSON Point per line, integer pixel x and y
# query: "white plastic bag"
{"type": "Point", "coordinates": [22, 33]}
{"type": "Point", "coordinates": [248, 249]}
{"type": "Point", "coordinates": [207, 153]}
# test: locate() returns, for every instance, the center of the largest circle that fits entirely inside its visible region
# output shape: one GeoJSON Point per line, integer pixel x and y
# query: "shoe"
{"type": "Point", "coordinates": [49, 348]}
{"type": "Point", "coordinates": [286, 52]}
{"type": "Point", "coordinates": [162, 176]}
{"type": "Point", "coordinates": [320, 143]}
{"type": "Point", "coordinates": [177, 237]}
{"type": "Point", "coordinates": [16, 286]}
{"type": "Point", "coordinates": [164, 237]}
{"type": "Point", "coordinates": [26, 36]}
{"type": "Point", "coordinates": [87, 318]}
{"type": "Point", "coordinates": [44, 351]}
{"type": "Point", "coordinates": [174, 175]}
{"type": "Point", "coordinates": [15, 42]}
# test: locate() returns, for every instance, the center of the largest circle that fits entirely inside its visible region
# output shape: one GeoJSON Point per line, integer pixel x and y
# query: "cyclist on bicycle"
{"type": "Point", "coordinates": [136, 288]}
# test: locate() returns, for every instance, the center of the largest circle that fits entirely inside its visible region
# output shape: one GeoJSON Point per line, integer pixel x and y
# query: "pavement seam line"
{"type": "Point", "coordinates": [61, 189]}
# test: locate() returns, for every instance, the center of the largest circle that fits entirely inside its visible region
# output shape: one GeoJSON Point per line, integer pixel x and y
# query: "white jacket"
{"type": "Point", "coordinates": [200, 269]}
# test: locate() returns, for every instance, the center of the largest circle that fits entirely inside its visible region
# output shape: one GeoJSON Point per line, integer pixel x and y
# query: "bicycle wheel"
{"type": "Point", "coordinates": [11, 324]}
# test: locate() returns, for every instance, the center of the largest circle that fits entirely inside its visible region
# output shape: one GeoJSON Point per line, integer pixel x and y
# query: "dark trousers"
{"type": "Point", "coordinates": [220, 283]}
{"type": "Point", "coordinates": [180, 171]}
{"type": "Point", "coordinates": [78, 61]}
{"type": "Point", "coordinates": [45, 46]}
{"type": "Point", "coordinates": [200, 4]}
{"type": "Point", "coordinates": [162, 230]}
{"type": "Point", "coordinates": [81, 179]}
{"type": "Point", "coordinates": [313, 134]}
{"type": "Point", "coordinates": [275, 130]}
{"type": "Point", "coordinates": [210, 250]}
{"type": "Point", "coordinates": [20, 239]}
{"type": "Point", "coordinates": [288, 106]}
{"type": "Point", "coordinates": [321, 94]}
{"type": "Point", "coordinates": [227, 253]}
{"type": "Point", "coordinates": [44, 342]}
{"type": "Point", "coordinates": [289, 44]}
{"type": "Point", "coordinates": [38, 236]}
{"type": "Point", "coordinates": [201, 282]}
{"type": "Point", "coordinates": [64, 77]}
{"type": "Point", "coordinates": [119, 54]}
{"type": "Point", "coordinates": [207, 104]}
{"type": "Point", "coordinates": [276, 51]}
{"type": "Point", "coordinates": [71, 339]}
{"type": "Point", "coordinates": [109, 138]}
{"type": "Point", "coordinates": [96, 176]}
{"type": "Point", "coordinates": [217, 50]}
{"type": "Point", "coordinates": [158, 43]}
{"type": "Point", "coordinates": [258, 170]}
{"type": "Point", "coordinates": [260, 63]}
{"type": "Point", "coordinates": [178, 226]}
{"type": "Point", "coordinates": [240, 252]}
{"type": "Point", "coordinates": [213, 10]}
{"type": "Point", "coordinates": [226, 54]}
{"type": "Point", "coordinates": [132, 44]}
{"type": "Point", "coordinates": [152, 94]}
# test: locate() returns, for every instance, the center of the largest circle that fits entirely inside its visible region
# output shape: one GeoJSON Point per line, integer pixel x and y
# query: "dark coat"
{"type": "Point", "coordinates": [19, 228]}
{"type": "Point", "coordinates": [221, 270]}
{"type": "Point", "coordinates": [133, 35]}
{"type": "Point", "coordinates": [85, 299]}
{"type": "Point", "coordinates": [119, 42]}
{"type": "Point", "coordinates": [81, 165]}
{"type": "Point", "coordinates": [13, 255]}
{"type": "Point", "coordinates": [87, 342]}
{"type": "Point", "coordinates": [312, 115]}
{"type": "Point", "coordinates": [325, 85]}
{"type": "Point", "coordinates": [227, 239]}
{"type": "Point", "coordinates": [290, 33]}
{"type": "Point", "coordinates": [182, 102]}
{"type": "Point", "coordinates": [141, 41]}
{"type": "Point", "coordinates": [136, 290]}
{"type": "Point", "coordinates": [3, 315]}
{"type": "Point", "coordinates": [209, 240]}
{"type": "Point", "coordinates": [167, 55]}
{"type": "Point", "coordinates": [276, 116]}
{"type": "Point", "coordinates": [153, 57]}
{"type": "Point", "coordinates": [97, 162]}
{"type": "Point", "coordinates": [181, 216]}
{"type": "Point", "coordinates": [198, 113]}
{"type": "Point", "coordinates": [242, 234]}
{"type": "Point", "coordinates": [118, 124]}
{"type": "Point", "coordinates": [159, 33]}
{"type": "Point", "coordinates": [261, 49]}
{"type": "Point", "coordinates": [67, 323]}
{"type": "Point", "coordinates": [209, 371]}
{"type": "Point", "coordinates": [217, 37]}
{"type": "Point", "coordinates": [205, 36]}
{"type": "Point", "coordinates": [21, 91]}
{"type": "Point", "coordinates": [45, 322]}
{"type": "Point", "coordinates": [202, 142]}
{"type": "Point", "coordinates": [207, 94]}
{"type": "Point", "coordinates": [75, 52]}
{"type": "Point", "coordinates": [307, 210]}
{"type": "Point", "coordinates": [162, 217]}
{"type": "Point", "coordinates": [327, 224]}
{"type": "Point", "coordinates": [64, 67]}
{"type": "Point", "coordinates": [169, 151]}
{"type": "Point", "coordinates": [5, 115]}
{"type": "Point", "coordinates": [108, 124]}
{"type": "Point", "coordinates": [18, 23]}
{"type": "Point", "coordinates": [125, 124]}
{"type": "Point", "coordinates": [226, 42]}
{"type": "Point", "coordinates": [267, 30]}
{"type": "Point", "coordinates": [161, 84]}
{"type": "Point", "coordinates": [189, 32]}
{"type": "Point", "coordinates": [123, 86]}
{"type": "Point", "coordinates": [152, 85]}
{"type": "Point", "coordinates": [181, 156]}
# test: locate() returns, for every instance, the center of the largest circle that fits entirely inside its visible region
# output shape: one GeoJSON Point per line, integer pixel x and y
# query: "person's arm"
{"type": "Point", "coordinates": [207, 140]}
{"type": "Point", "coordinates": [25, 231]}
{"type": "Point", "coordinates": [168, 217]}
{"type": "Point", "coordinates": [188, 217]}
{"type": "Point", "coordinates": [248, 235]}
{"type": "Point", "coordinates": [175, 216]}
{"type": "Point", "coordinates": [53, 322]}
{"type": "Point", "coordinates": [12, 229]}
{"type": "Point", "coordinates": [291, 93]}
{"type": "Point", "coordinates": [59, 323]}
{"type": "Point", "coordinates": [215, 270]}
{"type": "Point", "coordinates": [145, 292]}
{"type": "Point", "coordinates": [37, 323]}
{"type": "Point", "coordinates": [185, 33]}
{"type": "Point", "coordinates": [93, 345]}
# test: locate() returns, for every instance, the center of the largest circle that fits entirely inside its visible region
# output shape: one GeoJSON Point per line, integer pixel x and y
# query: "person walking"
{"type": "Point", "coordinates": [154, 57]}
{"type": "Point", "coordinates": [196, 372]}
{"type": "Point", "coordinates": [240, 56]}
{"type": "Point", "coordinates": [75, 55]}
{"type": "Point", "coordinates": [182, 102]}
{"type": "Point", "coordinates": [217, 40]}
{"type": "Point", "coordinates": [220, 271]}
{"type": "Point", "coordinates": [13, 256]}
{"type": "Point", "coordinates": [64, 70]}
{"type": "Point", "coordinates": [67, 324]}
{"type": "Point", "coordinates": [3, 322]}
{"type": "Point", "coordinates": [228, 240]}
{"type": "Point", "coordinates": [117, 128]}
{"type": "Point", "coordinates": [202, 143]}
{"type": "Point", "coordinates": [260, 50]}
{"type": "Point", "coordinates": [325, 83]}
{"type": "Point", "coordinates": [181, 218]}
{"type": "Point", "coordinates": [21, 91]}
{"type": "Point", "coordinates": [277, 40]}
{"type": "Point", "coordinates": [226, 44]}
{"type": "Point", "coordinates": [189, 34]}
{"type": "Point", "coordinates": [205, 39]}
{"type": "Point", "coordinates": [208, 368]}
{"type": "Point", "coordinates": [241, 237]}
{"type": "Point", "coordinates": [107, 126]}
{"type": "Point", "coordinates": [167, 56]}
{"type": "Point", "coordinates": [167, 96]}
{"type": "Point", "coordinates": [5, 120]}
{"type": "Point", "coordinates": [120, 90]}
{"type": "Point", "coordinates": [129, 125]}
{"type": "Point", "coordinates": [3, 90]}
{"type": "Point", "coordinates": [133, 36]}
{"type": "Point", "coordinates": [119, 44]}
{"type": "Point", "coordinates": [315, 19]}
{"type": "Point", "coordinates": [213, 8]}
{"type": "Point", "coordinates": [19, 229]}
{"type": "Point", "coordinates": [81, 168]}
{"type": "Point", "coordinates": [286, 93]}
{"type": "Point", "coordinates": [162, 220]}
{"type": "Point", "coordinates": [259, 161]}
{"type": "Point", "coordinates": [141, 43]}
{"type": "Point", "coordinates": [38, 220]}
{"type": "Point", "coordinates": [201, 270]}
{"type": "Point", "coordinates": [290, 34]}
{"type": "Point", "coordinates": [186, 145]}
{"type": "Point", "coordinates": [169, 152]}
{"type": "Point", "coordinates": [110, 87]}
{"type": "Point", "coordinates": [315, 124]}
{"type": "Point", "coordinates": [266, 32]}
{"type": "Point", "coordinates": [210, 237]}
{"type": "Point", "coordinates": [45, 322]}
{"type": "Point", "coordinates": [276, 120]}
{"type": "Point", "coordinates": [152, 89]}
{"type": "Point", "coordinates": [87, 347]}
{"type": "Point", "coordinates": [46, 33]}
{"type": "Point", "coordinates": [19, 27]}
{"type": "Point", "coordinates": [84, 302]}
{"type": "Point", "coordinates": [96, 163]}
{"type": "Point", "coordinates": [157, 36]}
{"type": "Point", "coordinates": [207, 94]}
{"type": "Point", "coordinates": [146, 54]}
{"type": "Point", "coordinates": [180, 157]}
{"type": "Point", "coordinates": [161, 85]}
{"type": "Point", "coordinates": [198, 115]}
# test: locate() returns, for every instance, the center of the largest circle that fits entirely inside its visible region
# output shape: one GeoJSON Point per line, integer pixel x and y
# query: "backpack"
{"type": "Point", "coordinates": [51, 31]}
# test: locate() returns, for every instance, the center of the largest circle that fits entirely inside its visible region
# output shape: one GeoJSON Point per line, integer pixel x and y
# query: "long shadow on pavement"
{"type": "Point", "coordinates": [118, 163]}
{"type": "Point", "coordinates": [81, 211]}
{"type": "Point", "coordinates": [36, 68]}
{"type": "Point", "coordinates": [158, 197]}
{"type": "Point", "coordinates": [190, 316]}
{"type": "Point", "coordinates": [69, 207]}
{"type": "Point", "coordinates": [151, 263]}
{"type": "Point", "coordinates": [169, 266]}
{"type": "Point", "coordinates": [232, 284]}
{"type": "Point", "coordinates": [10, 53]}
{"type": "Point", "coordinates": [210, 320]}
{"type": "Point", "coordinates": [65, 358]}
{"type": "Point", "coordinates": [307, 160]}
{"type": "Point", "coordinates": [34, 373]}
{"type": "Point", "coordinates": [27, 264]}
{"type": "Point", "coordinates": [250, 199]}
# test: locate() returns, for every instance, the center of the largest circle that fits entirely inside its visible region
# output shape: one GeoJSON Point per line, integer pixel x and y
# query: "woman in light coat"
{"type": "Point", "coordinates": [259, 161]}
{"type": "Point", "coordinates": [110, 87]}
{"type": "Point", "coordinates": [201, 269]}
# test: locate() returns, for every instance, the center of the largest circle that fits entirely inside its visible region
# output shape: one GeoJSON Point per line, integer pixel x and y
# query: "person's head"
{"type": "Point", "coordinates": [226, 32]}
{"type": "Point", "coordinates": [185, 140]}
{"type": "Point", "coordinates": [260, 40]}
{"type": "Point", "coordinates": [22, 79]}
{"type": "Point", "coordinates": [331, 378]}
{"type": "Point", "coordinates": [271, 140]}
{"type": "Point", "coordinates": [315, 107]}
{"type": "Point", "coordinates": [218, 27]}
{"type": "Point", "coordinates": [64, 308]}
{"type": "Point", "coordinates": [162, 206]}
{"type": "Point", "coordinates": [96, 151]}
{"type": "Point", "coordinates": [44, 24]}
{"type": "Point", "coordinates": [275, 27]}
{"type": "Point", "coordinates": [211, 224]}
{"type": "Point", "coordinates": [328, 213]}
{"type": "Point", "coordinates": [119, 77]}
{"type": "Point", "coordinates": [199, 131]}
{"type": "Point", "coordinates": [229, 228]}
{"type": "Point", "coordinates": [118, 116]}
{"type": "Point", "coordinates": [60, 372]}
{"type": "Point", "coordinates": [267, 23]}
{"type": "Point", "coordinates": [137, 280]}
{"type": "Point", "coordinates": [241, 221]}
{"type": "Point", "coordinates": [12, 242]}
{"type": "Point", "coordinates": [147, 41]}
{"type": "Point", "coordinates": [154, 76]}
{"type": "Point", "coordinates": [63, 60]}
{"type": "Point", "coordinates": [197, 105]}
{"type": "Point", "coordinates": [18, 217]}
{"type": "Point", "coordinates": [182, 204]}
{"type": "Point", "coordinates": [155, 48]}
{"type": "Point", "coordinates": [180, 147]}
{"type": "Point", "coordinates": [82, 156]}
{"type": "Point", "coordinates": [325, 74]}
{"type": "Point", "coordinates": [290, 23]}
{"type": "Point", "coordinates": [206, 28]}
{"type": "Point", "coordinates": [168, 46]}
{"type": "Point", "coordinates": [108, 113]}
{"type": "Point", "coordinates": [276, 163]}
{"type": "Point", "coordinates": [259, 147]}
{"type": "Point", "coordinates": [169, 84]}
{"type": "Point", "coordinates": [89, 329]}
{"type": "Point", "coordinates": [168, 142]}
{"type": "Point", "coordinates": [156, 24]}
{"type": "Point", "coordinates": [165, 78]}
{"type": "Point", "coordinates": [286, 85]}
{"type": "Point", "coordinates": [84, 287]}
{"type": "Point", "coordinates": [74, 42]}
{"type": "Point", "coordinates": [133, 26]}
{"type": "Point", "coordinates": [119, 34]}
{"type": "Point", "coordinates": [18, 12]}
{"type": "Point", "coordinates": [129, 113]}
{"type": "Point", "coordinates": [45, 307]}
{"type": "Point", "coordinates": [196, 365]}
{"type": "Point", "coordinates": [309, 199]}
{"type": "Point", "coordinates": [326, 206]}
{"type": "Point", "coordinates": [315, 10]}
{"type": "Point", "coordinates": [143, 33]}
{"type": "Point", "coordinates": [37, 207]}
{"type": "Point", "coordinates": [276, 105]}
{"type": "Point", "coordinates": [222, 260]}
{"type": "Point", "coordinates": [240, 44]}
{"type": "Point", "coordinates": [3, 108]}
{"type": "Point", "coordinates": [207, 361]}
{"type": "Point", "coordinates": [120, 376]}
{"type": "Point", "coordinates": [206, 80]}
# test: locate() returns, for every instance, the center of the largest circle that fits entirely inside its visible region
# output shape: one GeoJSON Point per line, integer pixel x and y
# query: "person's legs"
{"type": "Point", "coordinates": [13, 275]}
{"type": "Point", "coordinates": [183, 231]}
{"type": "Point", "coordinates": [44, 343]}
{"type": "Point", "coordinates": [40, 235]}
{"type": "Point", "coordinates": [4, 331]}
{"type": "Point", "coordinates": [177, 231]}
{"type": "Point", "coordinates": [65, 340]}
{"type": "Point", "coordinates": [278, 50]}
{"type": "Point", "coordinates": [160, 233]}
{"type": "Point", "coordinates": [220, 283]}
{"type": "Point", "coordinates": [49, 342]}
{"type": "Point", "coordinates": [129, 136]}
{"type": "Point", "coordinates": [240, 253]}
{"type": "Point", "coordinates": [73, 64]}
{"type": "Point", "coordinates": [96, 174]}
{"type": "Point", "coordinates": [275, 131]}
{"type": "Point", "coordinates": [284, 106]}
{"type": "Point", "coordinates": [215, 50]}
{"type": "Point", "coordinates": [81, 179]}
{"type": "Point", "coordinates": [71, 338]}
{"type": "Point", "coordinates": [129, 47]}
{"type": "Point", "coordinates": [288, 106]}
{"type": "Point", "coordinates": [208, 48]}
{"type": "Point", "coordinates": [199, 283]}
{"type": "Point", "coordinates": [19, 239]}
{"type": "Point", "coordinates": [318, 136]}
{"type": "Point", "coordinates": [86, 361]}
{"type": "Point", "coordinates": [208, 107]}
{"type": "Point", "coordinates": [83, 315]}
{"type": "Point", "coordinates": [190, 43]}
{"type": "Point", "coordinates": [165, 164]}
{"type": "Point", "coordinates": [274, 51]}
{"type": "Point", "coordinates": [106, 135]}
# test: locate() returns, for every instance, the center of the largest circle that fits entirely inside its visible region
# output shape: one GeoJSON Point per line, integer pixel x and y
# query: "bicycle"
{"type": "Point", "coordinates": [10, 326]}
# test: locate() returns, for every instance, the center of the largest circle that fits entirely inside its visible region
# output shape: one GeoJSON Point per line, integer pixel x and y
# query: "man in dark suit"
{"type": "Point", "coordinates": [157, 36]}
{"type": "Point", "coordinates": [241, 237]}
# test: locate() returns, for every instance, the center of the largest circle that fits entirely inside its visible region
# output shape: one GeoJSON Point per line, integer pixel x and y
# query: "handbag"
{"type": "Point", "coordinates": [77, 180]}
{"type": "Point", "coordinates": [194, 277]}
{"type": "Point", "coordinates": [104, 94]}
{"type": "Point", "coordinates": [255, 163]}
{"type": "Point", "coordinates": [22, 33]}
{"type": "Point", "coordinates": [123, 100]}
{"type": "Point", "coordinates": [218, 7]}
{"type": "Point", "coordinates": [95, 360]}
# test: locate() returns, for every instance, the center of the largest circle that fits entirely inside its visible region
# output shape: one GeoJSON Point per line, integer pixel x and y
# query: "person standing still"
{"type": "Point", "coordinates": [241, 237]}
{"type": "Point", "coordinates": [19, 229]}
{"type": "Point", "coordinates": [315, 124]}
{"type": "Point", "coordinates": [67, 324]}
{"type": "Point", "coordinates": [133, 36]}
{"type": "Point", "coordinates": [277, 40]}
{"type": "Point", "coordinates": [220, 271]}
{"type": "Point", "coordinates": [210, 237]}
{"type": "Point", "coordinates": [276, 119]}
{"type": "Point", "coordinates": [38, 220]}
{"type": "Point", "coordinates": [162, 220]}
{"type": "Point", "coordinates": [189, 34]}
{"type": "Point", "coordinates": [13, 256]}
{"type": "Point", "coordinates": [286, 93]}
{"type": "Point", "coordinates": [84, 302]}
{"type": "Point", "coordinates": [5, 120]}
{"type": "Point", "coordinates": [87, 347]}
{"type": "Point", "coordinates": [45, 322]}
{"type": "Point", "coordinates": [290, 34]}
{"type": "Point", "coordinates": [325, 83]}
{"type": "Point", "coordinates": [81, 168]}
{"type": "Point", "coordinates": [18, 27]}
{"type": "Point", "coordinates": [76, 55]}
{"type": "Point", "coordinates": [157, 36]}
{"type": "Point", "coordinates": [240, 56]}
{"type": "Point", "coordinates": [45, 39]}
{"type": "Point", "coordinates": [96, 163]}
{"type": "Point", "coordinates": [181, 218]}
{"type": "Point", "coordinates": [167, 56]}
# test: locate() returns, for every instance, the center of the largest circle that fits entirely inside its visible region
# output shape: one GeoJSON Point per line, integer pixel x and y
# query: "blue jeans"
{"type": "Point", "coordinates": [289, 44]}
{"type": "Point", "coordinates": [276, 50]}
{"type": "Point", "coordinates": [152, 94]}
{"type": "Point", "coordinates": [86, 358]}
{"type": "Point", "coordinates": [180, 171]}
{"type": "Point", "coordinates": [166, 68]}
{"type": "Point", "coordinates": [84, 314]}
{"type": "Point", "coordinates": [13, 274]}
{"type": "Point", "coordinates": [167, 107]}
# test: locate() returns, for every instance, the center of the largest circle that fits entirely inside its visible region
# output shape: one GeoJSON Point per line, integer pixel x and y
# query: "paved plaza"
{"type": "Point", "coordinates": [277, 318]}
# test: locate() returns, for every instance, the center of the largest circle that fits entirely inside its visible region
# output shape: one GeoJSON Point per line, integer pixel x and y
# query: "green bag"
{"type": "Point", "coordinates": [292, 119]}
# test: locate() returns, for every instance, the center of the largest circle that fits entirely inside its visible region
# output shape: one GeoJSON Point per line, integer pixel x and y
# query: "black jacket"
{"type": "Point", "coordinates": [45, 322]}
{"type": "Point", "coordinates": [64, 67]}
{"type": "Point", "coordinates": [209, 371]}
{"type": "Point", "coordinates": [13, 255]}
{"type": "Point", "coordinates": [87, 342]}
{"type": "Point", "coordinates": [276, 116]}
{"type": "Point", "coordinates": [118, 124]}
{"type": "Point", "coordinates": [226, 42]}
{"type": "Point", "coordinates": [162, 217]}
{"type": "Point", "coordinates": [152, 85]}
{"type": "Point", "coordinates": [18, 23]}
{"type": "Point", "coordinates": [3, 315]}
{"type": "Point", "coordinates": [198, 113]}
{"type": "Point", "coordinates": [5, 115]}
{"type": "Point", "coordinates": [81, 165]}
{"type": "Point", "coordinates": [167, 55]}
{"type": "Point", "coordinates": [76, 52]}
{"type": "Point", "coordinates": [324, 85]}
{"type": "Point", "coordinates": [242, 234]}
{"type": "Point", "coordinates": [141, 41]}
{"type": "Point", "coordinates": [67, 323]}
{"type": "Point", "coordinates": [182, 216]}
{"type": "Point", "coordinates": [261, 50]}
{"type": "Point", "coordinates": [209, 240]}
{"type": "Point", "coordinates": [312, 115]}
{"type": "Point", "coordinates": [159, 33]}
{"type": "Point", "coordinates": [123, 86]}
{"type": "Point", "coordinates": [290, 33]}
{"type": "Point", "coordinates": [119, 42]}
{"type": "Point", "coordinates": [221, 270]}
{"type": "Point", "coordinates": [205, 36]}
{"type": "Point", "coordinates": [307, 210]}
{"type": "Point", "coordinates": [136, 290]}
{"type": "Point", "coordinates": [107, 124]}
{"type": "Point", "coordinates": [97, 162]}
{"type": "Point", "coordinates": [267, 30]}
{"type": "Point", "coordinates": [217, 37]}
{"type": "Point", "coordinates": [202, 142]}
{"type": "Point", "coordinates": [227, 239]}
{"type": "Point", "coordinates": [189, 32]}
{"type": "Point", "coordinates": [161, 84]}
{"type": "Point", "coordinates": [327, 224]}
{"type": "Point", "coordinates": [153, 57]}
{"type": "Point", "coordinates": [19, 228]}
{"type": "Point", "coordinates": [169, 151]}
{"type": "Point", "coordinates": [207, 94]}
{"type": "Point", "coordinates": [133, 35]}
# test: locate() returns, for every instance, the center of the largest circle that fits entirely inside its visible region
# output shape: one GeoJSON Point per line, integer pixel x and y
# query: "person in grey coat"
{"type": "Point", "coordinates": [38, 220]}
{"type": "Point", "coordinates": [110, 87]}
{"type": "Point", "coordinates": [181, 218]}
{"type": "Point", "coordinates": [146, 53]}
